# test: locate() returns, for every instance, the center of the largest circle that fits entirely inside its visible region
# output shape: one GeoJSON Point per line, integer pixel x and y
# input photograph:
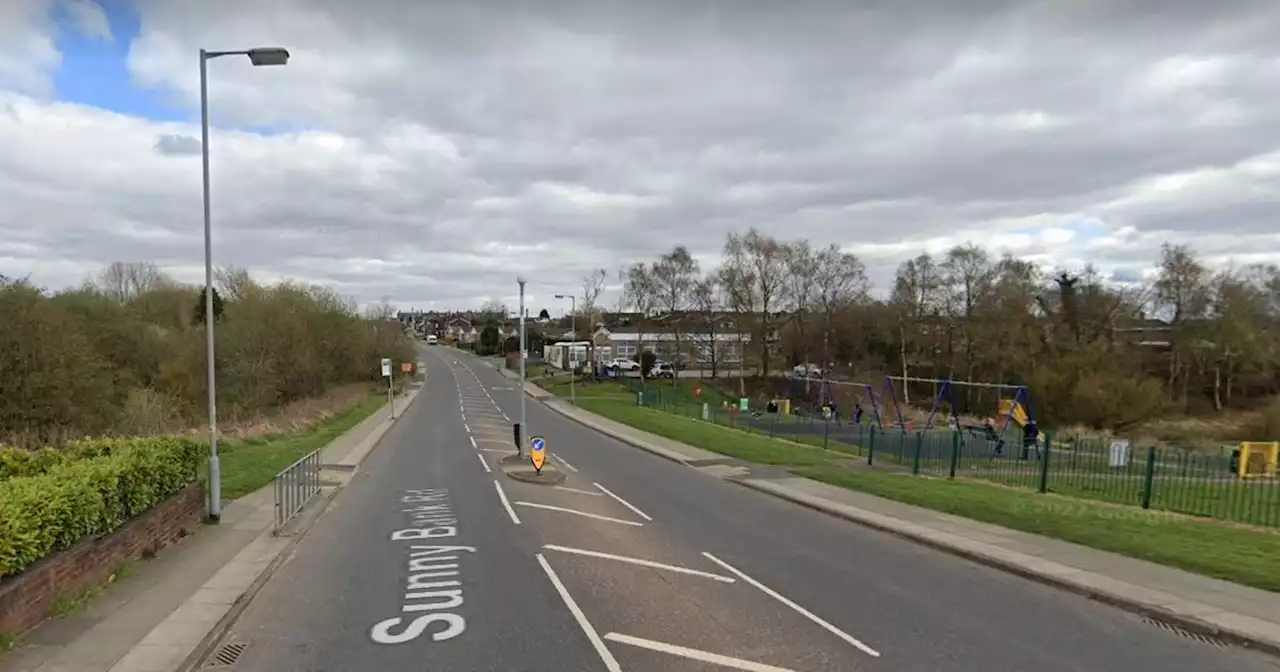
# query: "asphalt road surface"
{"type": "Point", "coordinates": [430, 559]}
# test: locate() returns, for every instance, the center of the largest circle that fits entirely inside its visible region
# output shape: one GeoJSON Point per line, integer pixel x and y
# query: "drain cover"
{"type": "Point", "coordinates": [1195, 636]}
{"type": "Point", "coordinates": [225, 656]}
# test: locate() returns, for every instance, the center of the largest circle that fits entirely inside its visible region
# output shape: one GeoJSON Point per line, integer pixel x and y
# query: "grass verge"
{"type": "Point", "coordinates": [250, 464]}
{"type": "Point", "coordinates": [1218, 549]}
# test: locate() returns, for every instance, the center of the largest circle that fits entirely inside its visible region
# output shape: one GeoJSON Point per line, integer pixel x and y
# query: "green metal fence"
{"type": "Point", "coordinates": [1175, 480]}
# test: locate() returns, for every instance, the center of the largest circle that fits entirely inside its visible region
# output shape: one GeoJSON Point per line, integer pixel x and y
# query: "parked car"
{"type": "Point", "coordinates": [806, 371]}
{"type": "Point", "coordinates": [623, 364]}
{"type": "Point", "coordinates": [662, 370]}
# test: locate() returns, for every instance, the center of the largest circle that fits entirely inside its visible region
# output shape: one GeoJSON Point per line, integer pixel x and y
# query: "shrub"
{"type": "Point", "coordinates": [96, 486]}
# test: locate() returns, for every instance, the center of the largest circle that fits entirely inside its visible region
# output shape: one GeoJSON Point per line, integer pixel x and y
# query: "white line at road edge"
{"type": "Point", "coordinates": [624, 502]}
{"type": "Point", "coordinates": [799, 609]}
{"type": "Point", "coordinates": [694, 654]}
{"type": "Point", "coordinates": [643, 563]}
{"type": "Point", "coordinates": [580, 513]}
{"type": "Point", "coordinates": [486, 464]}
{"type": "Point", "coordinates": [473, 442]}
{"type": "Point", "coordinates": [506, 504]}
{"type": "Point", "coordinates": [610, 662]}
{"type": "Point", "coordinates": [565, 462]}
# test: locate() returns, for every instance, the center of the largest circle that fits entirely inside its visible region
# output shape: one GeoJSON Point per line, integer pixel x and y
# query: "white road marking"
{"type": "Point", "coordinates": [506, 504]}
{"type": "Point", "coordinates": [466, 426]}
{"type": "Point", "coordinates": [694, 654]}
{"type": "Point", "coordinates": [494, 450]}
{"type": "Point", "coordinates": [799, 609]}
{"type": "Point", "coordinates": [643, 563]}
{"type": "Point", "coordinates": [580, 513]}
{"type": "Point", "coordinates": [473, 442]}
{"type": "Point", "coordinates": [504, 417]}
{"type": "Point", "coordinates": [623, 502]}
{"type": "Point", "coordinates": [565, 462]}
{"type": "Point", "coordinates": [580, 492]}
{"type": "Point", "coordinates": [610, 662]}
{"type": "Point", "coordinates": [486, 464]}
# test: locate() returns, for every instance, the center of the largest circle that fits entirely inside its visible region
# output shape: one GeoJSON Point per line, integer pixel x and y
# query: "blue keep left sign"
{"type": "Point", "coordinates": [538, 443]}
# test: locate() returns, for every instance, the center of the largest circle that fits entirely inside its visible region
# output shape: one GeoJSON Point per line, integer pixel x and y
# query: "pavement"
{"type": "Point", "coordinates": [165, 609]}
{"type": "Point", "coordinates": [646, 560]}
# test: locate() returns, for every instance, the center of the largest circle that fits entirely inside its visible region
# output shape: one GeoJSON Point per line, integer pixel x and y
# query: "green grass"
{"type": "Point", "coordinates": [252, 463]}
{"type": "Point", "coordinates": [1223, 551]}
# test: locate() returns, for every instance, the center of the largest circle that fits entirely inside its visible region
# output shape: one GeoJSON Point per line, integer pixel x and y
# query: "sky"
{"type": "Point", "coordinates": [428, 153]}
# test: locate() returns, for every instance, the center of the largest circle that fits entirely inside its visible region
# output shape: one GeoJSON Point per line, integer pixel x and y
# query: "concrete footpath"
{"type": "Point", "coordinates": [167, 609]}
{"type": "Point", "coordinates": [1194, 603]}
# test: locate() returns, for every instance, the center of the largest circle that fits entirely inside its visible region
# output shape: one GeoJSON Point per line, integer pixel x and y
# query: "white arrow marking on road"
{"type": "Point", "coordinates": [799, 609]}
{"type": "Point", "coordinates": [694, 654]}
{"type": "Point", "coordinates": [580, 513]}
{"type": "Point", "coordinates": [624, 502]}
{"type": "Point", "coordinates": [643, 563]}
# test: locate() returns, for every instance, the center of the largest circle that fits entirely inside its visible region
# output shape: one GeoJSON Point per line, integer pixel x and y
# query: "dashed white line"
{"type": "Point", "coordinates": [473, 442]}
{"type": "Point", "coordinates": [623, 502]}
{"type": "Point", "coordinates": [466, 427]}
{"type": "Point", "coordinates": [483, 462]}
{"type": "Point", "coordinates": [643, 563]}
{"type": "Point", "coordinates": [694, 654]}
{"type": "Point", "coordinates": [506, 504]}
{"type": "Point", "coordinates": [577, 491]}
{"type": "Point", "coordinates": [565, 462]}
{"type": "Point", "coordinates": [799, 609]}
{"type": "Point", "coordinates": [548, 507]}
{"type": "Point", "coordinates": [610, 662]}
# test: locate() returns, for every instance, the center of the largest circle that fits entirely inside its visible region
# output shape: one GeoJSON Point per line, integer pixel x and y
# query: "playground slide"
{"type": "Point", "coordinates": [1019, 413]}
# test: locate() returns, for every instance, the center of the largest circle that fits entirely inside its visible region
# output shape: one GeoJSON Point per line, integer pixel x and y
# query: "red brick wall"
{"type": "Point", "coordinates": [27, 599]}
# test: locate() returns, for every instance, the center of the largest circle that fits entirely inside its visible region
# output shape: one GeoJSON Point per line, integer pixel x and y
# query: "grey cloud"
{"type": "Point", "coordinates": [177, 145]}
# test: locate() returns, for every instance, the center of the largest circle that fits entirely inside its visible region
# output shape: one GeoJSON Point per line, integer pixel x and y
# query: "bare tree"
{"type": "Point", "coordinates": [592, 288]}
{"type": "Point", "coordinates": [382, 311]}
{"type": "Point", "coordinates": [125, 282]}
{"type": "Point", "coordinates": [641, 293]}
{"type": "Point", "coordinates": [672, 278]}
{"type": "Point", "coordinates": [839, 282]}
{"type": "Point", "coordinates": [765, 257]}
{"type": "Point", "coordinates": [707, 303]}
{"type": "Point", "coordinates": [234, 283]}
{"type": "Point", "coordinates": [798, 292]}
{"type": "Point", "coordinates": [737, 280]}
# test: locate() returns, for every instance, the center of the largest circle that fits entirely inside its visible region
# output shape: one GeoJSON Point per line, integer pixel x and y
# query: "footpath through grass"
{"type": "Point", "coordinates": [250, 464]}
{"type": "Point", "coordinates": [1222, 550]}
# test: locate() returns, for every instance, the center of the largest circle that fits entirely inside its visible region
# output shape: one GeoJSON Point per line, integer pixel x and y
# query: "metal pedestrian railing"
{"type": "Point", "coordinates": [295, 486]}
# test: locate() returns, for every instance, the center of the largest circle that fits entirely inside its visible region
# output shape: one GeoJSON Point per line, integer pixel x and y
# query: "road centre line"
{"type": "Point", "coordinates": [575, 490]}
{"type": "Point", "coordinates": [580, 513]}
{"type": "Point", "coordinates": [562, 461]}
{"type": "Point", "coordinates": [473, 442]}
{"type": "Point", "coordinates": [506, 504]}
{"type": "Point", "coordinates": [610, 662]}
{"type": "Point", "coordinates": [643, 563]}
{"type": "Point", "coordinates": [486, 464]}
{"type": "Point", "coordinates": [798, 609]}
{"type": "Point", "coordinates": [694, 654]}
{"type": "Point", "coordinates": [622, 501]}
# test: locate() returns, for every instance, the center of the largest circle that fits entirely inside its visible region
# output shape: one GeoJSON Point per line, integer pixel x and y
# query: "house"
{"type": "Point", "coordinates": [461, 330]}
{"type": "Point", "coordinates": [698, 344]}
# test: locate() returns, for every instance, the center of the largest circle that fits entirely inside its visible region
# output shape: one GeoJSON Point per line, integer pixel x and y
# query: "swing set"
{"type": "Point", "coordinates": [826, 397]}
{"type": "Point", "coordinates": [1014, 410]}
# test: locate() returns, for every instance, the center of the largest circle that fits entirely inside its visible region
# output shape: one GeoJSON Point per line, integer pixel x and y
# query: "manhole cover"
{"type": "Point", "coordinates": [225, 656]}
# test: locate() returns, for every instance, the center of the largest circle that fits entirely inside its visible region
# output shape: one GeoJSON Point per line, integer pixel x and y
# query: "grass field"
{"type": "Point", "coordinates": [249, 464]}
{"type": "Point", "coordinates": [1219, 549]}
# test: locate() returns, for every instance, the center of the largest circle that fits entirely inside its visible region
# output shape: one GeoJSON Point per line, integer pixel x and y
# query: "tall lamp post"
{"type": "Point", "coordinates": [259, 57]}
{"type": "Point", "coordinates": [524, 420]}
{"type": "Point", "coordinates": [573, 328]}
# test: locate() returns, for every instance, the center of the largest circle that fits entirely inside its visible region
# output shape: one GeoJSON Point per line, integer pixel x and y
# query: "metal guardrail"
{"type": "Point", "coordinates": [295, 485]}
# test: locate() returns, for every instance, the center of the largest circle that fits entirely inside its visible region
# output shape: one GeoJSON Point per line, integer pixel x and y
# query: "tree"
{"type": "Point", "coordinates": [490, 340]}
{"type": "Point", "coordinates": [839, 283]}
{"type": "Point", "coordinates": [544, 315]}
{"type": "Point", "coordinates": [800, 281]}
{"type": "Point", "coordinates": [1182, 294]}
{"type": "Point", "coordinates": [382, 311]}
{"type": "Point", "coordinates": [198, 312]}
{"type": "Point", "coordinates": [124, 282]}
{"type": "Point", "coordinates": [494, 310]}
{"type": "Point", "coordinates": [707, 303]}
{"type": "Point", "coordinates": [592, 288]}
{"type": "Point", "coordinates": [641, 293]}
{"type": "Point", "coordinates": [765, 260]}
{"type": "Point", "coordinates": [672, 279]}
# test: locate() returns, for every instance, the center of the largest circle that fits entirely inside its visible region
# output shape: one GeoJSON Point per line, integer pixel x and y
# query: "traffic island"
{"type": "Point", "coordinates": [548, 475]}
{"type": "Point", "coordinates": [514, 459]}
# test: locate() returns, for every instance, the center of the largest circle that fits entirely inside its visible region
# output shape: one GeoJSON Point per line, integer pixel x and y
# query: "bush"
{"type": "Point", "coordinates": [95, 487]}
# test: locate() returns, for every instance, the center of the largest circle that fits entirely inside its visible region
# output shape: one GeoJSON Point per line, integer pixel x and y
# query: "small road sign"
{"type": "Point", "coordinates": [406, 367]}
{"type": "Point", "coordinates": [386, 367]}
{"type": "Point", "coordinates": [538, 452]}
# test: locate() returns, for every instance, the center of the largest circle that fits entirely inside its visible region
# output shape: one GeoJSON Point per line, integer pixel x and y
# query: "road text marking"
{"type": "Point", "coordinates": [623, 502]}
{"type": "Point", "coordinates": [694, 654]}
{"type": "Point", "coordinates": [610, 662]}
{"type": "Point", "coordinates": [506, 504]}
{"type": "Point", "coordinates": [642, 563]}
{"type": "Point", "coordinates": [799, 609]}
{"type": "Point", "coordinates": [486, 464]}
{"type": "Point", "coordinates": [580, 513]}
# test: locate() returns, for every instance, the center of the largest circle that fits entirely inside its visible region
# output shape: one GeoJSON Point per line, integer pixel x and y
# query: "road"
{"type": "Point", "coordinates": [430, 559]}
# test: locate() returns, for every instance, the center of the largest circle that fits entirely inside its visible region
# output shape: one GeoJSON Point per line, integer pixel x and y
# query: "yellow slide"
{"type": "Point", "coordinates": [1019, 412]}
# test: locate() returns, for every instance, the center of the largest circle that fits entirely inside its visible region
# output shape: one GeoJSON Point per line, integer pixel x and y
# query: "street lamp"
{"type": "Point", "coordinates": [259, 57]}
{"type": "Point", "coordinates": [573, 328]}
{"type": "Point", "coordinates": [524, 420]}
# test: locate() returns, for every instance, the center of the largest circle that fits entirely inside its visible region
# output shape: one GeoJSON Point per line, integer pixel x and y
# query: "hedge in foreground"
{"type": "Point", "coordinates": [91, 488]}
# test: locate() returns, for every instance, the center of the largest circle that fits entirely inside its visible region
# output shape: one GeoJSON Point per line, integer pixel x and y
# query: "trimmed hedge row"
{"type": "Point", "coordinates": [90, 488]}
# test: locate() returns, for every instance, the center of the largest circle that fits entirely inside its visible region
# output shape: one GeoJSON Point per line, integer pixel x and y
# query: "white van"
{"type": "Point", "coordinates": [432, 339]}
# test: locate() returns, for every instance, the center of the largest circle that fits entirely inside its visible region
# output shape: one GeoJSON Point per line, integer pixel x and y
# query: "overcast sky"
{"type": "Point", "coordinates": [429, 151]}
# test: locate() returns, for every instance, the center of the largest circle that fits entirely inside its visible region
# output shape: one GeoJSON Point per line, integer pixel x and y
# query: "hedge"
{"type": "Point", "coordinates": [89, 489]}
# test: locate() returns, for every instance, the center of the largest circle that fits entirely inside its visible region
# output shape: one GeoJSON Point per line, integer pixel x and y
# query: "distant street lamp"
{"type": "Point", "coordinates": [573, 329]}
{"type": "Point", "coordinates": [259, 57]}
{"type": "Point", "coordinates": [524, 420]}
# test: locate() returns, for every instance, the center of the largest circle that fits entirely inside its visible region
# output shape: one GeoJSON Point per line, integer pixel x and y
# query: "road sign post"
{"type": "Point", "coordinates": [391, 392]}
{"type": "Point", "coordinates": [538, 452]}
